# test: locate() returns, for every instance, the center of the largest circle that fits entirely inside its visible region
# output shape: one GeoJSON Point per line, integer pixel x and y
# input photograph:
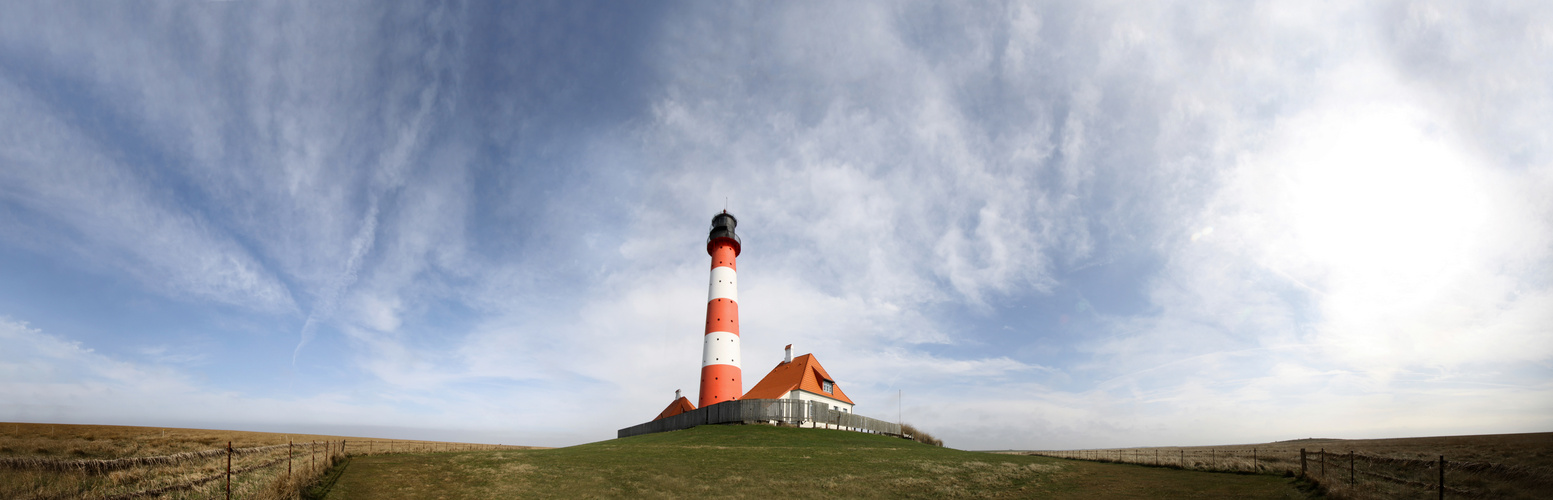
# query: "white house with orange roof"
{"type": "Point", "coordinates": [801, 378]}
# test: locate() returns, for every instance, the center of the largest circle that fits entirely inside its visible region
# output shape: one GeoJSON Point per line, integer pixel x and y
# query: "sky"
{"type": "Point", "coordinates": [1045, 225]}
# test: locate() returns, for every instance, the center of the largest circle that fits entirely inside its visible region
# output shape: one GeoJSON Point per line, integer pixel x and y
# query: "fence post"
{"type": "Point", "coordinates": [1253, 460]}
{"type": "Point", "coordinates": [1323, 463]}
{"type": "Point", "coordinates": [228, 470]}
{"type": "Point", "coordinates": [1350, 468]}
{"type": "Point", "coordinates": [1213, 459]}
{"type": "Point", "coordinates": [1302, 462]}
{"type": "Point", "coordinates": [1442, 477]}
{"type": "Point", "coordinates": [1183, 458]}
{"type": "Point", "coordinates": [288, 459]}
{"type": "Point", "coordinates": [312, 456]}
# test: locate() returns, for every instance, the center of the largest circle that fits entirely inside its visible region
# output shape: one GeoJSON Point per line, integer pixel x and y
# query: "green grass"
{"type": "Point", "coordinates": [764, 461]}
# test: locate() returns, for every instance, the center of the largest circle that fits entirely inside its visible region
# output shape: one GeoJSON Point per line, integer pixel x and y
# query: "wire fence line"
{"type": "Point", "coordinates": [303, 461]}
{"type": "Point", "coordinates": [768, 411]}
{"type": "Point", "coordinates": [1350, 470]}
{"type": "Point", "coordinates": [188, 485]}
{"type": "Point", "coordinates": [104, 466]}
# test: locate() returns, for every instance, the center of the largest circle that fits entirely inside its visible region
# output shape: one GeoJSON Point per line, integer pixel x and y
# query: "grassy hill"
{"type": "Point", "coordinates": [765, 461]}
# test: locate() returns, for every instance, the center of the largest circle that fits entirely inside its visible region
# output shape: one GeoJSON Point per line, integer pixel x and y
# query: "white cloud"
{"type": "Point", "coordinates": [111, 220]}
{"type": "Point", "coordinates": [1360, 270]}
{"type": "Point", "coordinates": [47, 378]}
{"type": "Point", "coordinates": [1415, 251]}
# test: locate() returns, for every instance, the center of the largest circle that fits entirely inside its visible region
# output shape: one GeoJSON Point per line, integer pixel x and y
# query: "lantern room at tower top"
{"type": "Point", "coordinates": [722, 229]}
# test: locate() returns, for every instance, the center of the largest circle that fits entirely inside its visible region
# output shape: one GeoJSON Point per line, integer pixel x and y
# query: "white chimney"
{"type": "Point", "coordinates": [676, 395]}
{"type": "Point", "coordinates": [788, 357]}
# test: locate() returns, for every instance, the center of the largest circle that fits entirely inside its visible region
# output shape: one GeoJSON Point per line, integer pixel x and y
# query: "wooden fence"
{"type": "Point", "coordinates": [770, 411]}
{"type": "Point", "coordinates": [306, 460]}
{"type": "Point", "coordinates": [1345, 470]}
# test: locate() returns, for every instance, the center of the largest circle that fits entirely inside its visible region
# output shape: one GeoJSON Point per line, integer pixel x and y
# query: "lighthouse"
{"type": "Point", "coordinates": [720, 373]}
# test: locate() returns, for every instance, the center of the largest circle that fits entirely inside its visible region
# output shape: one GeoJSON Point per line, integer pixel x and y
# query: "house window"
{"type": "Point", "coordinates": [828, 386]}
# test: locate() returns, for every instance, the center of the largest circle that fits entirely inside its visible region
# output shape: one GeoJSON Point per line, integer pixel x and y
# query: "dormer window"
{"type": "Point", "coordinates": [828, 386]}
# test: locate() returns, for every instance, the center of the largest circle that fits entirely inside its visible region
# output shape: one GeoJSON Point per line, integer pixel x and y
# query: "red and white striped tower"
{"type": "Point", "coordinates": [720, 372]}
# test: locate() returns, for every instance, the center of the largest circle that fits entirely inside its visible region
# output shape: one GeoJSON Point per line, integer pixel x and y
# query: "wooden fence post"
{"type": "Point", "coordinates": [288, 459]}
{"type": "Point", "coordinates": [228, 470]}
{"type": "Point", "coordinates": [1183, 459]}
{"type": "Point", "coordinates": [1302, 462]}
{"type": "Point", "coordinates": [1350, 468]}
{"type": "Point", "coordinates": [312, 455]}
{"type": "Point", "coordinates": [1323, 463]}
{"type": "Point", "coordinates": [1253, 460]}
{"type": "Point", "coordinates": [1442, 477]}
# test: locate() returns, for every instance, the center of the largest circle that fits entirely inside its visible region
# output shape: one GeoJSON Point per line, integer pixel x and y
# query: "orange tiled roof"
{"type": "Point", "coordinates": [679, 406]}
{"type": "Point", "coordinates": [804, 373]}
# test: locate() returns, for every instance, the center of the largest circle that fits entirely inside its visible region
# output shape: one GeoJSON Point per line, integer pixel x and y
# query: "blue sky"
{"type": "Point", "coordinates": [1048, 225]}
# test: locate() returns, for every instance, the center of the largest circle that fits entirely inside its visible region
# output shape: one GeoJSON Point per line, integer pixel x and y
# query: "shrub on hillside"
{"type": "Point", "coordinates": [917, 435]}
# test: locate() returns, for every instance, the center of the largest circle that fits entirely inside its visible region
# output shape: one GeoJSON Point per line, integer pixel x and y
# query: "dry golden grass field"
{"type": "Point", "coordinates": [1483, 466]}
{"type": "Point", "coordinates": [45, 461]}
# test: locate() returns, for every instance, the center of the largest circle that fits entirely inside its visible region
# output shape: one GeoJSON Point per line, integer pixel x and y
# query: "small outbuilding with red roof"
{"type": "Point", "coordinates": [680, 405]}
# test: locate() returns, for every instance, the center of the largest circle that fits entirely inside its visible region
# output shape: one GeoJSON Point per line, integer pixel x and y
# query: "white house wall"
{"type": "Point", "coordinates": [809, 396]}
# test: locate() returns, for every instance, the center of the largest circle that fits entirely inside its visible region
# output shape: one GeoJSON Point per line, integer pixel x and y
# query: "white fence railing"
{"type": "Point", "coordinates": [772, 411]}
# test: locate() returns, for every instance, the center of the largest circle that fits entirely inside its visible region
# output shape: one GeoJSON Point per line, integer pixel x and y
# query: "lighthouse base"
{"type": "Point", "coordinates": [720, 383]}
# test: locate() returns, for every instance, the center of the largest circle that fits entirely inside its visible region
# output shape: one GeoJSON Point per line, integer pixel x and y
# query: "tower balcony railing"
{"type": "Point", "coordinates": [723, 233]}
{"type": "Point", "coordinates": [767, 411]}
